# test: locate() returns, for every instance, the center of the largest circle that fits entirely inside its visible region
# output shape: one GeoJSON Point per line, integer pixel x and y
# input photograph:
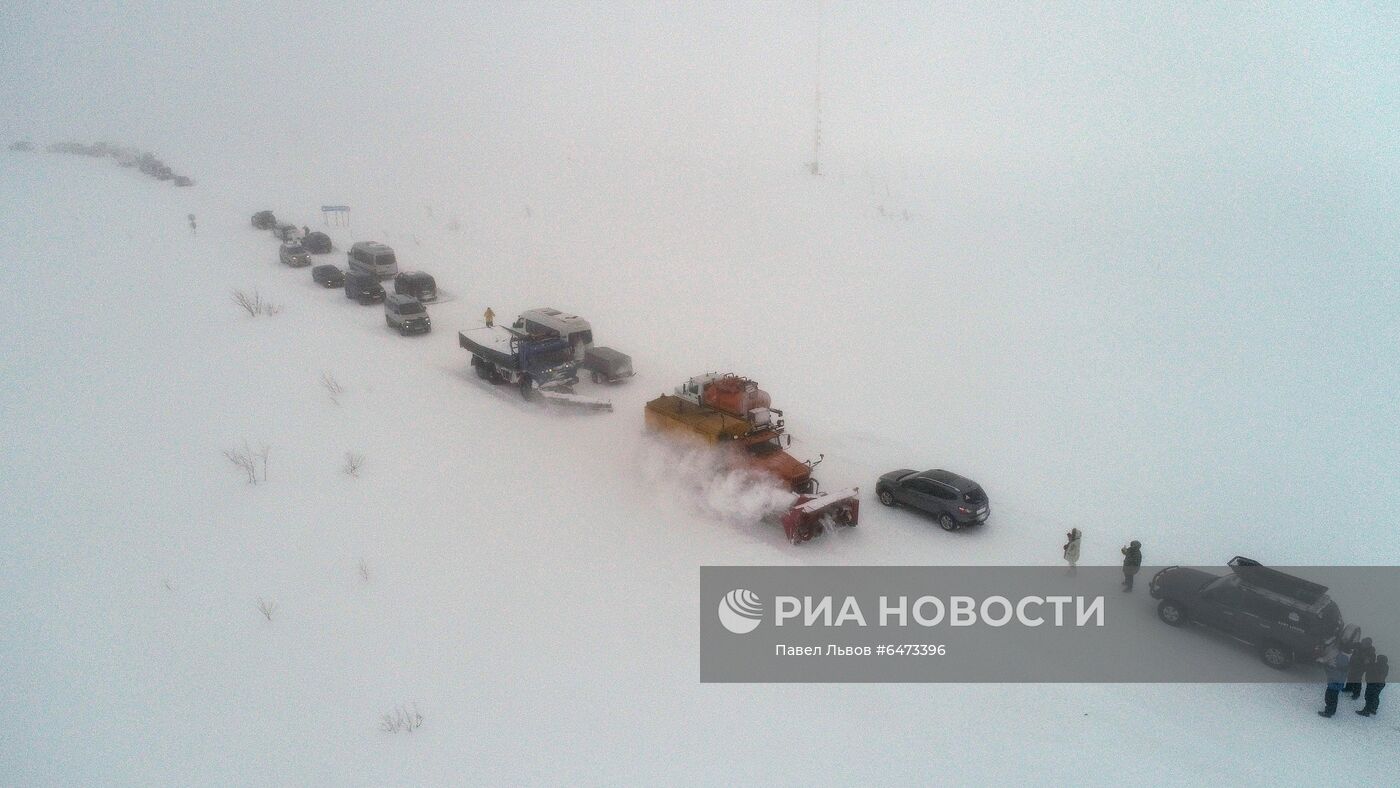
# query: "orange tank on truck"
{"type": "Point", "coordinates": [731, 413]}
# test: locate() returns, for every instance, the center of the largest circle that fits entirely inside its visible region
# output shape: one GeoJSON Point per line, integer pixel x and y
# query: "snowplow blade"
{"type": "Point", "coordinates": [812, 514]}
{"type": "Point", "coordinates": [574, 400]}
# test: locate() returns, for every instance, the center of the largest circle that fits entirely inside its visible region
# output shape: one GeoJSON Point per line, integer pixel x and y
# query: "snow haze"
{"type": "Point", "coordinates": [1133, 269]}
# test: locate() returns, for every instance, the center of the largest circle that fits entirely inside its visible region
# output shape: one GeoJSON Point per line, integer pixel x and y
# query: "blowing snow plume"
{"type": "Point", "coordinates": [700, 478]}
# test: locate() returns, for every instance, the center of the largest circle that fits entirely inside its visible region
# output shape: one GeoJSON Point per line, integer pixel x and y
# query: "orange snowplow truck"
{"type": "Point", "coordinates": [735, 416]}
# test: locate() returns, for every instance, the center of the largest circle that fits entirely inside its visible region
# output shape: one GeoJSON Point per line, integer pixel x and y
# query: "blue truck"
{"type": "Point", "coordinates": [540, 367]}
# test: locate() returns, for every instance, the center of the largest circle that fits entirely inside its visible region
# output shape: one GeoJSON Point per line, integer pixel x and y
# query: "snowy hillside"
{"type": "Point", "coordinates": [1172, 331]}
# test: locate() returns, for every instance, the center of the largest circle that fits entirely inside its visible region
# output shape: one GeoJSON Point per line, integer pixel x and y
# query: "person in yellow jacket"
{"type": "Point", "coordinates": [490, 317]}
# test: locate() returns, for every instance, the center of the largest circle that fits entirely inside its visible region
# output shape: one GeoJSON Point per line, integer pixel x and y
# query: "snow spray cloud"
{"type": "Point", "coordinates": [699, 477]}
{"type": "Point", "coordinates": [1236, 623]}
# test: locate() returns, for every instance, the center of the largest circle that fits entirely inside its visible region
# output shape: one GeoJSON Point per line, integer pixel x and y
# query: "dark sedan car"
{"type": "Point", "coordinates": [328, 276]}
{"type": "Point", "coordinates": [953, 500]}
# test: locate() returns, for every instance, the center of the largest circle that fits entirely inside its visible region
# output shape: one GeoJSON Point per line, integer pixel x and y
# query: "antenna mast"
{"type": "Point", "coordinates": [816, 165]}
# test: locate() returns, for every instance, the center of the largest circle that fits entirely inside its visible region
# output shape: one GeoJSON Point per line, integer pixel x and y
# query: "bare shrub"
{"type": "Point", "coordinates": [245, 461]}
{"type": "Point", "coordinates": [353, 462]}
{"type": "Point", "coordinates": [402, 718]}
{"type": "Point", "coordinates": [262, 455]}
{"type": "Point", "coordinates": [364, 570]}
{"type": "Point", "coordinates": [267, 608]}
{"type": "Point", "coordinates": [332, 386]}
{"type": "Point", "coordinates": [254, 304]}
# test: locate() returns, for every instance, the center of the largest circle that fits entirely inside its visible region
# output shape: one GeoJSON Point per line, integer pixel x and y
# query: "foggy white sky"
{"type": "Point", "coordinates": [1055, 93]}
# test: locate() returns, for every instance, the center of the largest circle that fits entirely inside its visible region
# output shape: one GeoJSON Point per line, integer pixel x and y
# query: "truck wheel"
{"type": "Point", "coordinates": [946, 522]}
{"type": "Point", "coordinates": [388, 322]}
{"type": "Point", "coordinates": [1171, 612]}
{"type": "Point", "coordinates": [886, 497]}
{"type": "Point", "coordinates": [1276, 655]}
{"type": "Point", "coordinates": [482, 371]}
{"type": "Point", "coordinates": [527, 389]}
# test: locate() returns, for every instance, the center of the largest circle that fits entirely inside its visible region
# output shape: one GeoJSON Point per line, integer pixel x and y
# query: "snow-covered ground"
{"type": "Point", "coordinates": [1165, 329]}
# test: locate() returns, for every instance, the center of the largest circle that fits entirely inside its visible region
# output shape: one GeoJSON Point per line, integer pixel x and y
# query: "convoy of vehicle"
{"type": "Point", "coordinates": [1285, 617]}
{"type": "Point", "coordinates": [543, 351]}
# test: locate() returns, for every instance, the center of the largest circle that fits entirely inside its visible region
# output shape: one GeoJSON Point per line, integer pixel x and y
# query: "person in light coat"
{"type": "Point", "coordinates": [1071, 550]}
{"type": "Point", "coordinates": [1336, 679]}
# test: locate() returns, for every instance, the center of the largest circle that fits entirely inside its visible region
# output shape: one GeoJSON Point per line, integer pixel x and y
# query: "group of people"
{"type": "Point", "coordinates": [1347, 670]}
{"type": "Point", "coordinates": [1132, 557]}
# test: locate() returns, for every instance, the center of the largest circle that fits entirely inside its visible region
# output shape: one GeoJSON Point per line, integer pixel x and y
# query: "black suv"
{"type": "Point", "coordinates": [264, 220]}
{"type": "Point", "coordinates": [417, 284]}
{"type": "Point", "coordinates": [1287, 618]}
{"type": "Point", "coordinates": [954, 500]}
{"type": "Point", "coordinates": [363, 287]}
{"type": "Point", "coordinates": [317, 242]}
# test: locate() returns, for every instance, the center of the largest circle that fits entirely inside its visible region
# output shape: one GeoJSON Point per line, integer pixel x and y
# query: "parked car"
{"type": "Point", "coordinates": [286, 232]}
{"type": "Point", "coordinates": [417, 284]}
{"type": "Point", "coordinates": [363, 287]}
{"type": "Point", "coordinates": [328, 276]}
{"type": "Point", "coordinates": [606, 365]}
{"type": "Point", "coordinates": [407, 314]}
{"type": "Point", "coordinates": [294, 254]}
{"type": "Point", "coordinates": [953, 500]}
{"type": "Point", "coordinates": [264, 220]}
{"type": "Point", "coordinates": [1285, 617]}
{"type": "Point", "coordinates": [317, 242]}
{"type": "Point", "coordinates": [374, 258]}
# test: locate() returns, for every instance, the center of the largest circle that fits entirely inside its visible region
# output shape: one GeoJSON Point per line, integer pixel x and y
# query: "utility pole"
{"type": "Point", "coordinates": [816, 165]}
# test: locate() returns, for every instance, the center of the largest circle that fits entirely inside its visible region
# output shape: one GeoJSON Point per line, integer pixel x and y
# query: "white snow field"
{"type": "Point", "coordinates": [1146, 286]}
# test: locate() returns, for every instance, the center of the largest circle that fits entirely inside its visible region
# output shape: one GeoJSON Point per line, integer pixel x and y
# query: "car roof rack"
{"type": "Point", "coordinates": [1256, 574]}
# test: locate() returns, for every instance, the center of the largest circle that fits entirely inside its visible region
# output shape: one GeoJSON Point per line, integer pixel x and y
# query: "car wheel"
{"type": "Point", "coordinates": [946, 522]}
{"type": "Point", "coordinates": [1276, 655]}
{"type": "Point", "coordinates": [1171, 612]}
{"type": "Point", "coordinates": [597, 376]}
{"type": "Point", "coordinates": [886, 497]}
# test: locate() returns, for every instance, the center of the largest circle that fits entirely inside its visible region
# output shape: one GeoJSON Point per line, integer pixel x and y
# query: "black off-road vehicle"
{"type": "Point", "coordinates": [363, 287]}
{"type": "Point", "coordinates": [317, 242]}
{"type": "Point", "coordinates": [264, 220]}
{"type": "Point", "coordinates": [417, 284]}
{"type": "Point", "coordinates": [1287, 618]}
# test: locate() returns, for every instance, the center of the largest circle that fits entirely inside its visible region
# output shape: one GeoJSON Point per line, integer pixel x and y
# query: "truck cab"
{"type": "Point", "coordinates": [547, 321]}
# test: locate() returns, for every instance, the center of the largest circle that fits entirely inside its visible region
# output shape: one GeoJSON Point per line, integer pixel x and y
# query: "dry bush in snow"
{"type": "Point", "coordinates": [245, 461]}
{"type": "Point", "coordinates": [353, 462]}
{"type": "Point", "coordinates": [254, 304]}
{"type": "Point", "coordinates": [249, 461]}
{"type": "Point", "coordinates": [332, 386]}
{"type": "Point", "coordinates": [364, 570]}
{"type": "Point", "coordinates": [267, 608]}
{"type": "Point", "coordinates": [402, 718]}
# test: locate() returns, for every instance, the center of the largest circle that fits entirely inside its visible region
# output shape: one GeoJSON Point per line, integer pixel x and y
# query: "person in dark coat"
{"type": "Point", "coordinates": [1375, 682]}
{"type": "Point", "coordinates": [1336, 679]}
{"type": "Point", "coordinates": [1132, 562]}
{"type": "Point", "coordinates": [1361, 655]}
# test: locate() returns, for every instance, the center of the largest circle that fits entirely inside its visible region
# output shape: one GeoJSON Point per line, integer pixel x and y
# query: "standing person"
{"type": "Point", "coordinates": [193, 230]}
{"type": "Point", "coordinates": [1375, 682]}
{"type": "Point", "coordinates": [1132, 562]}
{"type": "Point", "coordinates": [305, 231]}
{"type": "Point", "coordinates": [1336, 679]}
{"type": "Point", "coordinates": [1071, 550]}
{"type": "Point", "coordinates": [490, 317]}
{"type": "Point", "coordinates": [1361, 655]}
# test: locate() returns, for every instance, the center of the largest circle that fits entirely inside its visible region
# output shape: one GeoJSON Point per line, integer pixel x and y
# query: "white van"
{"type": "Point", "coordinates": [372, 257]}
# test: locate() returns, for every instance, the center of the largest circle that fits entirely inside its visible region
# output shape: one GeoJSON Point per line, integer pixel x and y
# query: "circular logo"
{"type": "Point", "coordinates": [740, 611]}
